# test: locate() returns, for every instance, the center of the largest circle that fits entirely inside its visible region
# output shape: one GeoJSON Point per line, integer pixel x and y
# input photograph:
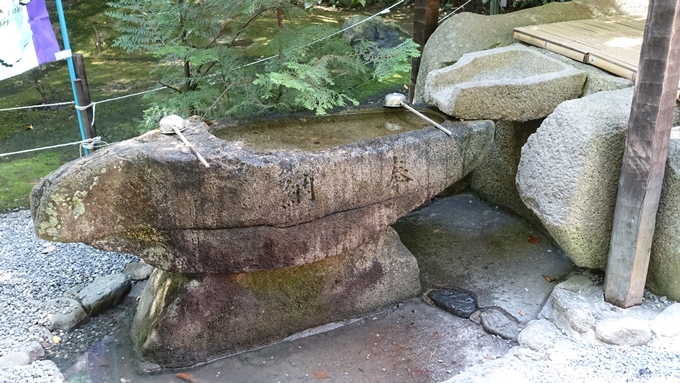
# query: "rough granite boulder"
{"type": "Point", "coordinates": [512, 83]}
{"type": "Point", "coordinates": [468, 32]}
{"type": "Point", "coordinates": [539, 335]}
{"type": "Point", "coordinates": [182, 320]}
{"type": "Point", "coordinates": [494, 178]}
{"type": "Point", "coordinates": [569, 170]}
{"type": "Point", "coordinates": [568, 176]}
{"type": "Point", "coordinates": [666, 323]}
{"type": "Point", "coordinates": [663, 276]}
{"type": "Point", "coordinates": [574, 308]}
{"type": "Point", "coordinates": [14, 360]}
{"type": "Point", "coordinates": [623, 331]}
{"type": "Point", "coordinates": [249, 211]}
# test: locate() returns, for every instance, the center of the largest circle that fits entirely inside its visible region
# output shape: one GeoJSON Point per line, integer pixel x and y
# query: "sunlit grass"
{"type": "Point", "coordinates": [18, 176]}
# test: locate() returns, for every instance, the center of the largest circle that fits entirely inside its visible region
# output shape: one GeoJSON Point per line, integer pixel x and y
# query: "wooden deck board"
{"type": "Point", "coordinates": [612, 44]}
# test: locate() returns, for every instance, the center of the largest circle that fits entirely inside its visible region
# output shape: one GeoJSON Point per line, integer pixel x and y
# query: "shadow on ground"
{"type": "Point", "coordinates": [459, 241]}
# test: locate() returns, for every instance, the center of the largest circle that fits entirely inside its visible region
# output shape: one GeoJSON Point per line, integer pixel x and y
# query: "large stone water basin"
{"type": "Point", "coordinates": [511, 83]}
{"type": "Point", "coordinates": [252, 209]}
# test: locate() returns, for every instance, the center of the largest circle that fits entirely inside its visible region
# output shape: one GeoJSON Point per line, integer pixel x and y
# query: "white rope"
{"type": "Point", "coordinates": [38, 106]}
{"type": "Point", "coordinates": [94, 110]}
{"type": "Point", "coordinates": [94, 104]}
{"type": "Point", "coordinates": [384, 11]}
{"type": "Point", "coordinates": [131, 95]}
{"type": "Point", "coordinates": [453, 12]}
{"type": "Point", "coordinates": [90, 143]}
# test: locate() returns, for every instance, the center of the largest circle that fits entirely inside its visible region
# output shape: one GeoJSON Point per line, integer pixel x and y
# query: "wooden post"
{"type": "Point", "coordinates": [645, 155]}
{"type": "Point", "coordinates": [83, 91]}
{"type": "Point", "coordinates": [425, 17]}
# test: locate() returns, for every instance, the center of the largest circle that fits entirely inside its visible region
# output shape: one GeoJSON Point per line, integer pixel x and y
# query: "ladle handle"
{"type": "Point", "coordinates": [191, 147]}
{"type": "Point", "coordinates": [417, 113]}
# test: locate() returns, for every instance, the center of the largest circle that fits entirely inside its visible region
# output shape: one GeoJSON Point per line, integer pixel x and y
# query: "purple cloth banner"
{"type": "Point", "coordinates": [26, 36]}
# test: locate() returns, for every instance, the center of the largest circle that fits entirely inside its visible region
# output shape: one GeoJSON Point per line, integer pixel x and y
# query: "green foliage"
{"type": "Point", "coordinates": [195, 42]}
{"type": "Point", "coordinates": [340, 3]}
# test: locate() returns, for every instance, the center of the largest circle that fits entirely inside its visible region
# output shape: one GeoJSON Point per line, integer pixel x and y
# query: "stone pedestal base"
{"type": "Point", "coordinates": [185, 320]}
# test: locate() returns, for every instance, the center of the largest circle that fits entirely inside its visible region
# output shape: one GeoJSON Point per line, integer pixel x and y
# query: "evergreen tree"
{"type": "Point", "coordinates": [195, 42]}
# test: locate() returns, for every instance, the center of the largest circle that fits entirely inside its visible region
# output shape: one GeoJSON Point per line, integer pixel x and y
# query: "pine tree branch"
{"type": "Point", "coordinates": [225, 92]}
{"type": "Point", "coordinates": [170, 86]}
{"type": "Point", "coordinates": [245, 26]}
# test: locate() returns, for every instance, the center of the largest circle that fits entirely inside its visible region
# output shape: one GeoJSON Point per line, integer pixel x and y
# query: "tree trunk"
{"type": "Point", "coordinates": [279, 17]}
{"type": "Point", "coordinates": [425, 17]}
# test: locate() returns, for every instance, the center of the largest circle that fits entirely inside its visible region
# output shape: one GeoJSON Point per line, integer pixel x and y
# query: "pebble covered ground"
{"type": "Point", "coordinates": [31, 272]}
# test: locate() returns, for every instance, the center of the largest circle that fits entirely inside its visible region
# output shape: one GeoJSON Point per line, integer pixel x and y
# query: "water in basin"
{"type": "Point", "coordinates": [322, 132]}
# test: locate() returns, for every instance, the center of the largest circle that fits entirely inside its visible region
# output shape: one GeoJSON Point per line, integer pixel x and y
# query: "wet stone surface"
{"type": "Point", "coordinates": [458, 302]}
{"type": "Point", "coordinates": [495, 321]}
{"type": "Point", "coordinates": [410, 343]}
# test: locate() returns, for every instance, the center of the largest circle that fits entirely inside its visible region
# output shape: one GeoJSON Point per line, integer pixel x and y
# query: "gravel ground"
{"type": "Point", "coordinates": [33, 271]}
{"type": "Point", "coordinates": [29, 274]}
{"type": "Point", "coordinates": [573, 362]}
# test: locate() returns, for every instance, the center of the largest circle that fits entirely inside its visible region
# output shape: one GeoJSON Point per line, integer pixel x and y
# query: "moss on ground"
{"type": "Point", "coordinates": [17, 177]}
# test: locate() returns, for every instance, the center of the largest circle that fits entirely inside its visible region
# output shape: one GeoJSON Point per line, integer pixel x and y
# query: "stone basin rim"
{"type": "Point", "coordinates": [251, 211]}
{"type": "Point", "coordinates": [529, 78]}
{"type": "Point", "coordinates": [227, 123]}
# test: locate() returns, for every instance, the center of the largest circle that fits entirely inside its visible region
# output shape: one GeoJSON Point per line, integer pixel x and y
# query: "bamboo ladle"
{"type": "Point", "coordinates": [396, 100]}
{"type": "Point", "coordinates": [174, 124]}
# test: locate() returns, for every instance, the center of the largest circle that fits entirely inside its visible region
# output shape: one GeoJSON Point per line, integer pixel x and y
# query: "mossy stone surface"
{"type": "Point", "coordinates": [187, 320]}
{"type": "Point", "coordinates": [250, 210]}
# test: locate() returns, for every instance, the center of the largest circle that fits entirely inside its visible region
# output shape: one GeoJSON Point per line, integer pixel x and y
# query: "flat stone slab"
{"type": "Point", "coordinates": [458, 302]}
{"type": "Point", "coordinates": [495, 321]}
{"type": "Point", "coordinates": [63, 313]}
{"type": "Point", "coordinates": [138, 271]}
{"type": "Point", "coordinates": [511, 83]}
{"type": "Point", "coordinates": [182, 321]}
{"type": "Point", "coordinates": [14, 359]}
{"type": "Point", "coordinates": [249, 211]}
{"type": "Point", "coordinates": [103, 292]}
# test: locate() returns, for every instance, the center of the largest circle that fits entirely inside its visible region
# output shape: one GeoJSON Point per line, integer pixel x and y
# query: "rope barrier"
{"type": "Point", "coordinates": [90, 143]}
{"type": "Point", "coordinates": [384, 11]}
{"type": "Point", "coordinates": [94, 104]}
{"type": "Point", "coordinates": [96, 142]}
{"type": "Point", "coordinates": [39, 106]}
{"type": "Point", "coordinates": [453, 12]}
